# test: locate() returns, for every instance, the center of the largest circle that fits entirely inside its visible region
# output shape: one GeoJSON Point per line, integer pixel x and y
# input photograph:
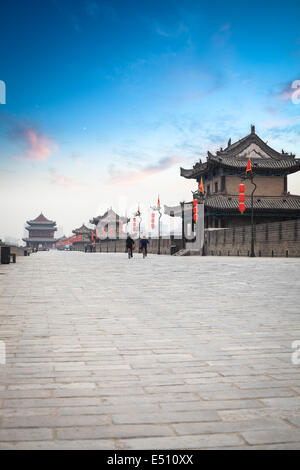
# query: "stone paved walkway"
{"type": "Point", "coordinates": [164, 353]}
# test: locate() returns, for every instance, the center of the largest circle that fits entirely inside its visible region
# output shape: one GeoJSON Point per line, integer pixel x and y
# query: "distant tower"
{"type": "Point", "coordinates": [41, 233]}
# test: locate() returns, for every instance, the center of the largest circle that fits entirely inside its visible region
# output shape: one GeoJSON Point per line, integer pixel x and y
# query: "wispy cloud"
{"type": "Point", "coordinates": [221, 37]}
{"type": "Point", "coordinates": [172, 32]}
{"type": "Point", "coordinates": [103, 9]}
{"type": "Point", "coordinates": [150, 170]}
{"type": "Point", "coordinates": [292, 92]}
{"type": "Point", "coordinates": [76, 23]}
{"type": "Point", "coordinates": [36, 145]}
{"type": "Point", "coordinates": [92, 8]}
{"type": "Point", "coordinates": [281, 122]}
{"type": "Point", "coordinates": [286, 91]}
{"type": "Point", "coordinates": [63, 180]}
{"type": "Point", "coordinates": [77, 159]}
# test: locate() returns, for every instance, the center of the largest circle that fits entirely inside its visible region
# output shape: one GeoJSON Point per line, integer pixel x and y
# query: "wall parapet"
{"type": "Point", "coordinates": [276, 239]}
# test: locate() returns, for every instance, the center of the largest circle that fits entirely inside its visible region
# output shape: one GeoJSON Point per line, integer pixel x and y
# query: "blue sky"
{"type": "Point", "coordinates": [106, 99]}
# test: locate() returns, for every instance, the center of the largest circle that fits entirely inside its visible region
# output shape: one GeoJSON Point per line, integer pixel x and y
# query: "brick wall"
{"type": "Point", "coordinates": [277, 239]}
{"type": "Point", "coordinates": [273, 239]}
{"type": "Point", "coordinates": [119, 246]}
{"type": "Point", "coordinates": [266, 185]}
{"type": "Point", "coordinates": [16, 249]}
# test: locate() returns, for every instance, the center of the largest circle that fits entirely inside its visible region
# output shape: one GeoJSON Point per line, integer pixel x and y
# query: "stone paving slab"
{"type": "Point", "coordinates": [164, 353]}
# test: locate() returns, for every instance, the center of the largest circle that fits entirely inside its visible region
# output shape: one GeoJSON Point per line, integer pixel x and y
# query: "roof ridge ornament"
{"type": "Point", "coordinates": [252, 129]}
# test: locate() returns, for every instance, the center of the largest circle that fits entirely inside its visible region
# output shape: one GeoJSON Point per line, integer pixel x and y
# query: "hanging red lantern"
{"type": "Point", "coordinates": [195, 210]}
{"type": "Point", "coordinates": [153, 221]}
{"type": "Point", "coordinates": [242, 207]}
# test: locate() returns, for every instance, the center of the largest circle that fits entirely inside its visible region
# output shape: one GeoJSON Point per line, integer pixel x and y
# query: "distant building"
{"type": "Point", "coordinates": [221, 174]}
{"type": "Point", "coordinates": [41, 233]}
{"type": "Point", "coordinates": [109, 225]}
{"type": "Point", "coordinates": [59, 242]}
{"type": "Point", "coordinates": [83, 232]}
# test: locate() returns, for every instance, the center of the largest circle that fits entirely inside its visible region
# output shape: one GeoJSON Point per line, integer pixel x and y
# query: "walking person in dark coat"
{"type": "Point", "coordinates": [129, 246]}
{"type": "Point", "coordinates": [144, 242]}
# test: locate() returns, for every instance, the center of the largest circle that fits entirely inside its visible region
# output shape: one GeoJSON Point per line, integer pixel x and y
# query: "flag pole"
{"type": "Point", "coordinates": [158, 209]}
{"type": "Point", "coordinates": [160, 214]}
{"type": "Point", "coordinates": [250, 175]}
{"type": "Point", "coordinates": [252, 251]}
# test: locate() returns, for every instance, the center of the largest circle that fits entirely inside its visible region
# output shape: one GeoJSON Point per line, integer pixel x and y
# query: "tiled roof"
{"type": "Point", "coordinates": [39, 240]}
{"type": "Point", "coordinates": [289, 164]}
{"type": "Point", "coordinates": [37, 228]}
{"type": "Point", "coordinates": [82, 229]}
{"type": "Point", "coordinates": [198, 169]}
{"type": "Point", "coordinates": [41, 219]}
{"type": "Point", "coordinates": [225, 203]}
{"type": "Point", "coordinates": [259, 165]}
{"type": "Point", "coordinates": [280, 203]}
{"type": "Point", "coordinates": [263, 158]}
{"type": "Point", "coordinates": [234, 149]}
{"type": "Point", "coordinates": [109, 216]}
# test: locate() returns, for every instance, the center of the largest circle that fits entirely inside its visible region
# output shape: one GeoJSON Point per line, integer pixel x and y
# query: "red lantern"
{"type": "Point", "coordinates": [242, 207]}
{"type": "Point", "coordinates": [121, 227]}
{"type": "Point", "coordinates": [195, 210]}
{"type": "Point", "coordinates": [92, 236]}
{"type": "Point", "coordinates": [153, 221]}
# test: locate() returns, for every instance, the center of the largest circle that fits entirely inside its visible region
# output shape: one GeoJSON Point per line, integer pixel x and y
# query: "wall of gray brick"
{"type": "Point", "coordinates": [277, 239]}
{"type": "Point", "coordinates": [16, 249]}
{"type": "Point", "coordinates": [119, 246]}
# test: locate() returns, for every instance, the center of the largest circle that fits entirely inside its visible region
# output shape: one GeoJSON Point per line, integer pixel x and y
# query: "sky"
{"type": "Point", "coordinates": [106, 99]}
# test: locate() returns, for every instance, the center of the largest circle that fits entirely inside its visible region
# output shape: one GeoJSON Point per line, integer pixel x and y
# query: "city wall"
{"type": "Point", "coordinates": [18, 250]}
{"type": "Point", "coordinates": [119, 246]}
{"type": "Point", "coordinates": [276, 239]}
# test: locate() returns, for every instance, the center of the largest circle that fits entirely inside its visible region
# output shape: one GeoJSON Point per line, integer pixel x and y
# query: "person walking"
{"type": "Point", "coordinates": [144, 242]}
{"type": "Point", "coordinates": [129, 246]}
